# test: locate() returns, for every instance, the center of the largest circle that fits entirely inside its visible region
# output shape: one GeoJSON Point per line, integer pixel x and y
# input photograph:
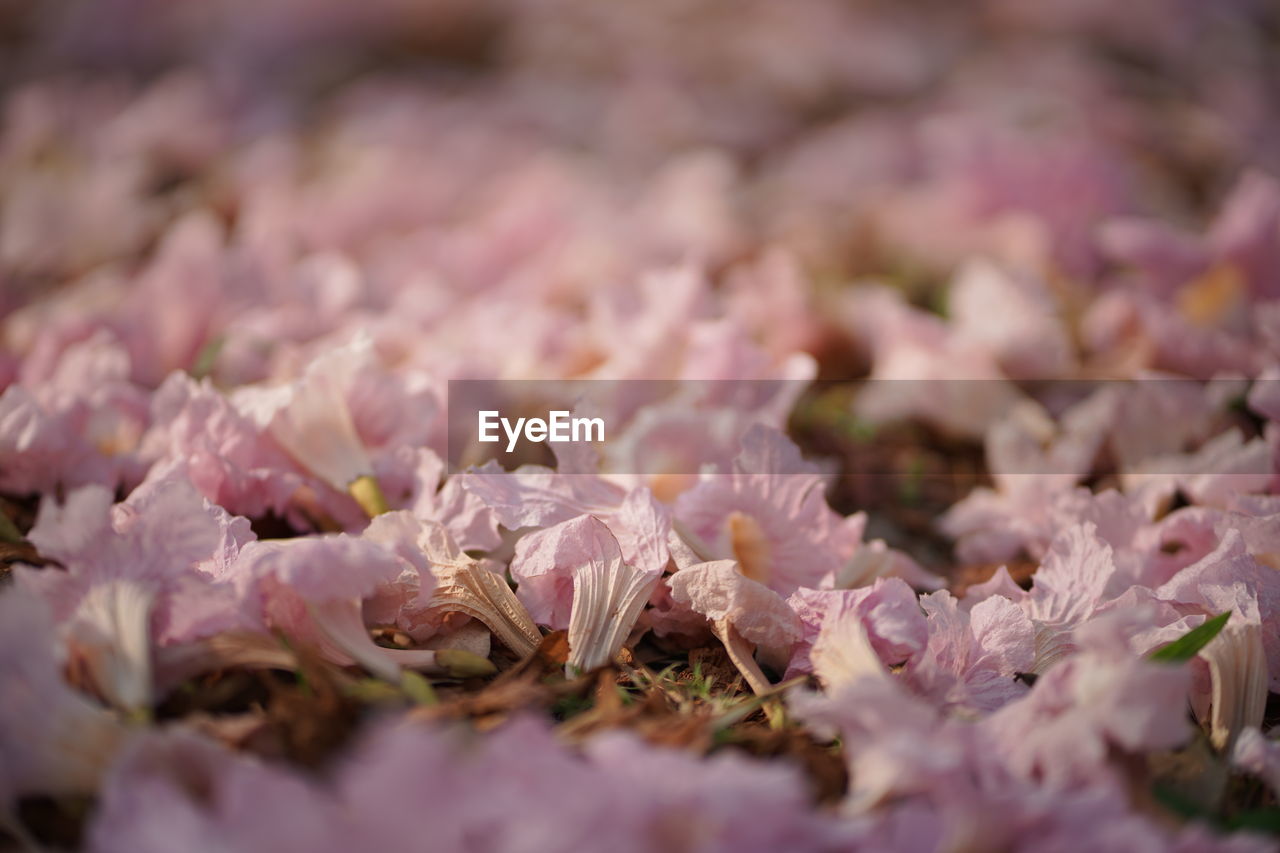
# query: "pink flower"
{"type": "Point", "coordinates": [545, 559]}
{"type": "Point", "coordinates": [36, 446]}
{"type": "Point", "coordinates": [174, 788]}
{"type": "Point", "coordinates": [1077, 576]}
{"type": "Point", "coordinates": [311, 419]}
{"type": "Point", "coordinates": [722, 802]}
{"type": "Point", "coordinates": [533, 496]}
{"type": "Point", "coordinates": [1033, 461]}
{"type": "Point", "coordinates": [971, 658]}
{"type": "Point", "coordinates": [342, 407]}
{"type": "Point", "coordinates": [1230, 579]}
{"type": "Point", "coordinates": [471, 522]}
{"type": "Point", "coordinates": [1014, 318]}
{"type": "Point", "coordinates": [224, 453]}
{"type": "Point", "coordinates": [143, 573]}
{"type": "Point", "coordinates": [667, 444]}
{"type": "Point", "coordinates": [511, 789]}
{"type": "Point", "coordinates": [921, 369]}
{"type": "Point", "coordinates": [517, 788]}
{"type": "Point", "coordinates": [1196, 294]}
{"type": "Point", "coordinates": [579, 563]}
{"type": "Point", "coordinates": [53, 740]}
{"type": "Point", "coordinates": [1100, 698]}
{"type": "Point", "coordinates": [80, 424]}
{"type": "Point", "coordinates": [746, 615]}
{"type": "Point", "coordinates": [312, 588]}
{"type": "Point", "coordinates": [889, 611]}
{"type": "Point", "coordinates": [769, 514]}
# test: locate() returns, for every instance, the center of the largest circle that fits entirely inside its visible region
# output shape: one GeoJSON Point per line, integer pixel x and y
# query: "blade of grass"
{"type": "Point", "coordinates": [744, 709]}
{"type": "Point", "coordinates": [1189, 644]}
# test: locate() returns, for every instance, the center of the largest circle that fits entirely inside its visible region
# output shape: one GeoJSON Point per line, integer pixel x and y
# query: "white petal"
{"type": "Point", "coordinates": [310, 417]}
{"type": "Point", "coordinates": [842, 654]}
{"type": "Point", "coordinates": [1238, 668]}
{"type": "Point", "coordinates": [342, 627]}
{"type": "Point", "coordinates": [608, 596]}
{"type": "Point", "coordinates": [110, 634]}
{"type": "Point", "coordinates": [482, 595]}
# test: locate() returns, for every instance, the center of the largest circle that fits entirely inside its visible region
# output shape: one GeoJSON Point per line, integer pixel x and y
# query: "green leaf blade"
{"type": "Point", "coordinates": [1190, 644]}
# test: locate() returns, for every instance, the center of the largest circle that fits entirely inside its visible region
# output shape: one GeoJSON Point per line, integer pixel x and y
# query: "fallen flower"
{"type": "Point", "coordinates": [608, 594]}
{"type": "Point", "coordinates": [1238, 669]}
{"type": "Point", "coordinates": [53, 740]}
{"type": "Point", "coordinates": [313, 589]}
{"type": "Point", "coordinates": [1102, 696]}
{"type": "Point", "coordinates": [843, 654]}
{"type": "Point", "coordinates": [746, 615]}
{"type": "Point", "coordinates": [888, 609]}
{"type": "Point", "coordinates": [769, 514]}
{"type": "Point", "coordinates": [537, 497]}
{"type": "Point", "coordinates": [311, 420]}
{"type": "Point", "coordinates": [445, 581]}
{"type": "Point", "coordinates": [972, 658]}
{"type": "Point", "coordinates": [138, 574]}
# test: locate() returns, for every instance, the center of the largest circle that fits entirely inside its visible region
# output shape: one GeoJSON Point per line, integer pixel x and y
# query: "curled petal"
{"type": "Point", "coordinates": [341, 624]}
{"type": "Point", "coordinates": [53, 740]}
{"type": "Point", "coordinates": [745, 615]}
{"type": "Point", "coordinates": [1238, 669]}
{"type": "Point", "coordinates": [608, 596]}
{"type": "Point", "coordinates": [485, 596]}
{"type": "Point", "coordinates": [311, 418]}
{"type": "Point", "coordinates": [843, 654]}
{"type": "Point", "coordinates": [342, 630]}
{"type": "Point", "coordinates": [720, 592]}
{"type": "Point", "coordinates": [110, 638]}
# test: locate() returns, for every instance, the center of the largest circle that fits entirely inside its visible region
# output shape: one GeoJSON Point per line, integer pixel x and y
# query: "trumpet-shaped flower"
{"type": "Point", "coordinates": [608, 593]}
{"type": "Point", "coordinates": [769, 514]}
{"type": "Point", "coordinates": [313, 589]}
{"type": "Point", "coordinates": [543, 559]}
{"type": "Point", "coordinates": [972, 658]}
{"type": "Point", "coordinates": [895, 624]}
{"type": "Point", "coordinates": [746, 615]}
{"type": "Point", "coordinates": [142, 573]}
{"type": "Point", "coordinates": [443, 583]}
{"type": "Point", "coordinates": [1230, 579]}
{"type": "Point", "coordinates": [1238, 672]}
{"type": "Point", "coordinates": [53, 740]}
{"type": "Point", "coordinates": [533, 496]}
{"type": "Point", "coordinates": [313, 421]}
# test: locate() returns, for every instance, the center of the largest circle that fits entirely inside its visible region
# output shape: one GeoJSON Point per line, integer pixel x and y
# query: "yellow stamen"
{"type": "Point", "coordinates": [368, 494]}
{"type": "Point", "coordinates": [1210, 299]}
{"type": "Point", "coordinates": [750, 548]}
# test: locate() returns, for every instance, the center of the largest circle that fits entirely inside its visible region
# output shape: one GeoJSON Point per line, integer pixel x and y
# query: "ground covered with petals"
{"type": "Point", "coordinates": [939, 506]}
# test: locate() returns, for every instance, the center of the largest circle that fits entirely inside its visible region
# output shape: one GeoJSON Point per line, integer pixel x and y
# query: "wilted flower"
{"type": "Point", "coordinates": [312, 421]}
{"type": "Point", "coordinates": [143, 573]}
{"type": "Point", "coordinates": [52, 739]}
